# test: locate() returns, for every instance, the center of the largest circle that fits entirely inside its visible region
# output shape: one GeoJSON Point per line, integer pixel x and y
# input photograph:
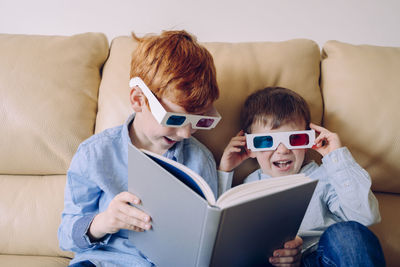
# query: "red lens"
{"type": "Point", "coordinates": [299, 139]}
{"type": "Point", "coordinates": [205, 123]}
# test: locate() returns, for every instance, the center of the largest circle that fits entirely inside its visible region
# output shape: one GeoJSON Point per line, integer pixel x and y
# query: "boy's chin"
{"type": "Point", "coordinates": [276, 172]}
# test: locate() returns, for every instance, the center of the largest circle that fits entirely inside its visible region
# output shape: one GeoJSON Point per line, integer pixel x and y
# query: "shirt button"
{"type": "Point", "coordinates": [335, 160]}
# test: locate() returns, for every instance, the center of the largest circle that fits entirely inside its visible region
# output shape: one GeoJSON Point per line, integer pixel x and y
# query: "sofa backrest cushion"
{"type": "Point", "coordinates": [48, 105]}
{"type": "Point", "coordinates": [361, 90]}
{"type": "Point", "coordinates": [242, 68]}
{"type": "Point", "coordinates": [48, 92]}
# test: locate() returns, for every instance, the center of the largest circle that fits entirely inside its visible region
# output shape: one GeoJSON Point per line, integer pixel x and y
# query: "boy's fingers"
{"type": "Point", "coordinates": [317, 127]}
{"type": "Point", "coordinates": [284, 260]}
{"type": "Point", "coordinates": [240, 133]}
{"type": "Point", "coordinates": [128, 222]}
{"type": "Point", "coordinates": [134, 212]}
{"type": "Point", "coordinates": [135, 227]}
{"type": "Point", "coordinates": [295, 243]}
{"type": "Point", "coordinates": [238, 142]}
{"type": "Point", "coordinates": [239, 138]}
{"type": "Point", "coordinates": [128, 198]}
{"type": "Point", "coordinates": [286, 252]}
{"type": "Point", "coordinates": [233, 149]}
{"type": "Point", "coordinates": [320, 138]}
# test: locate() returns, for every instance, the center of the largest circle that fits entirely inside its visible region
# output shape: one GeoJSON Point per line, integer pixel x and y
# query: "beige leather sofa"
{"type": "Point", "coordinates": [57, 91]}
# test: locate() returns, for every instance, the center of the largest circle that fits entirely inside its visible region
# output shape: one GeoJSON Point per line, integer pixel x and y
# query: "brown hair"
{"type": "Point", "coordinates": [174, 65]}
{"type": "Point", "coordinates": [274, 106]}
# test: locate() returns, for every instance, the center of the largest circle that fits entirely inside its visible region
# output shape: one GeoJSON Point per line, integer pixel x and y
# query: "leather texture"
{"type": "Point", "coordinates": [388, 230]}
{"type": "Point", "coordinates": [48, 106]}
{"type": "Point", "coordinates": [32, 261]}
{"type": "Point", "coordinates": [48, 92]}
{"type": "Point", "coordinates": [31, 209]}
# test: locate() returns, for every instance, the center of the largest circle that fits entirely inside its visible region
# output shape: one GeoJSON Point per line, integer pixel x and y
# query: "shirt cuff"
{"type": "Point", "coordinates": [224, 181]}
{"type": "Point", "coordinates": [79, 233]}
{"type": "Point", "coordinates": [337, 160]}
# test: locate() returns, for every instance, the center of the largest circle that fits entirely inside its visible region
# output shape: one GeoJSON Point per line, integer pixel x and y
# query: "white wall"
{"type": "Point", "coordinates": [354, 21]}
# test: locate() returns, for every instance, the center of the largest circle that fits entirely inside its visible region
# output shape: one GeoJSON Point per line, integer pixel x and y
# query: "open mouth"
{"type": "Point", "coordinates": [282, 164]}
{"type": "Point", "coordinates": [169, 140]}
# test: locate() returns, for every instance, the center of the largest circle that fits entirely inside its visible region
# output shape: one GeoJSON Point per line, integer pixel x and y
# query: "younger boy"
{"type": "Point", "coordinates": [343, 192]}
{"type": "Point", "coordinates": [170, 73]}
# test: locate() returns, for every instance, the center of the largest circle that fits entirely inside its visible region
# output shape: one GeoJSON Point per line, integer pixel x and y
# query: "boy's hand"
{"type": "Point", "coordinates": [119, 215]}
{"type": "Point", "coordinates": [234, 153]}
{"type": "Point", "coordinates": [290, 255]}
{"type": "Point", "coordinates": [326, 141]}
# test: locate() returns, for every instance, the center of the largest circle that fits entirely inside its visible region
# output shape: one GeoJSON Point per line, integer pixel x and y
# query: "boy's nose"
{"type": "Point", "coordinates": [185, 131]}
{"type": "Point", "coordinates": [282, 149]}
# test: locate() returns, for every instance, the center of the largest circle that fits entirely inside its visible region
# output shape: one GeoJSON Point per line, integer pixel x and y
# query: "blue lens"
{"type": "Point", "coordinates": [263, 141]}
{"type": "Point", "coordinates": [176, 120]}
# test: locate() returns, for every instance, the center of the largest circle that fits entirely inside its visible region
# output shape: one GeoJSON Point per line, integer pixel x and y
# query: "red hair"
{"type": "Point", "coordinates": [175, 66]}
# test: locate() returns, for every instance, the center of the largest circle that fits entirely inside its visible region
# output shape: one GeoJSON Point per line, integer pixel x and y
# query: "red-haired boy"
{"type": "Point", "coordinates": [173, 87]}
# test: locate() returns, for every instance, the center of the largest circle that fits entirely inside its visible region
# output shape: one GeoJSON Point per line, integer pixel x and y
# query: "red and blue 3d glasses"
{"type": "Point", "coordinates": [173, 119]}
{"type": "Point", "coordinates": [270, 141]}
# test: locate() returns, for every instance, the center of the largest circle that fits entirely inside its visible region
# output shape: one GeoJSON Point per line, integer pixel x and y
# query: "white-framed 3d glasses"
{"type": "Point", "coordinates": [172, 119]}
{"type": "Point", "coordinates": [270, 141]}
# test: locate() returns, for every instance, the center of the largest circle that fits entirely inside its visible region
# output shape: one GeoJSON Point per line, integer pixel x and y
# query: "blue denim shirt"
{"type": "Point", "coordinates": [98, 172]}
{"type": "Point", "coordinates": [343, 192]}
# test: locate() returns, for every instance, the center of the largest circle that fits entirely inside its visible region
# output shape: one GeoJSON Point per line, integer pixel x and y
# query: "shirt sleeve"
{"type": "Point", "coordinates": [209, 173]}
{"type": "Point", "coordinates": [349, 196]}
{"type": "Point", "coordinates": [224, 181]}
{"type": "Point", "coordinates": [80, 206]}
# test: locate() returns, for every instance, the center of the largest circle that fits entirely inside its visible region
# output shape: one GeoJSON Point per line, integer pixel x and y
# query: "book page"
{"type": "Point", "coordinates": [256, 189]}
{"type": "Point", "coordinates": [185, 175]}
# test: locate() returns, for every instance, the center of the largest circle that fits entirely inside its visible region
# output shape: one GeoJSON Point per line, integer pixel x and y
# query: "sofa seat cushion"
{"type": "Point", "coordinates": [30, 209]}
{"type": "Point", "coordinates": [360, 86]}
{"type": "Point", "coordinates": [32, 261]}
{"type": "Point", "coordinates": [388, 230]}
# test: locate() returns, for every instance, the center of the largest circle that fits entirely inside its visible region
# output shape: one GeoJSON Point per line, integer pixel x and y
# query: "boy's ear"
{"type": "Point", "coordinates": [137, 99]}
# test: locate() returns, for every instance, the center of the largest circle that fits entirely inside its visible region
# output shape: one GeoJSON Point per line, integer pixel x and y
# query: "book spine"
{"type": "Point", "coordinates": [208, 235]}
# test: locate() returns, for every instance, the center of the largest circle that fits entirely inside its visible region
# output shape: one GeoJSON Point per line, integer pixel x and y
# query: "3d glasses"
{"type": "Point", "coordinates": [171, 119]}
{"type": "Point", "coordinates": [270, 141]}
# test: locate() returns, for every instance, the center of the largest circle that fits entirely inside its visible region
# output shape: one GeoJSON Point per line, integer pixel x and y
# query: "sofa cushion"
{"type": "Point", "coordinates": [48, 99]}
{"type": "Point", "coordinates": [388, 230]}
{"type": "Point", "coordinates": [360, 85]}
{"type": "Point", "coordinates": [31, 209]}
{"type": "Point", "coordinates": [32, 261]}
{"type": "Point", "coordinates": [241, 68]}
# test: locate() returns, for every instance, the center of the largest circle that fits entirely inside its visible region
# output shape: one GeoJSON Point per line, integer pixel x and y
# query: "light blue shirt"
{"type": "Point", "coordinates": [342, 193]}
{"type": "Point", "coordinates": [98, 172]}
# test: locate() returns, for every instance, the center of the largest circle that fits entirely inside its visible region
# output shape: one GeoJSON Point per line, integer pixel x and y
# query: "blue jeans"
{"type": "Point", "coordinates": [83, 264]}
{"type": "Point", "coordinates": [346, 244]}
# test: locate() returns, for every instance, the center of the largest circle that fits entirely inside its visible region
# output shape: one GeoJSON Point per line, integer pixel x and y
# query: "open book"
{"type": "Point", "coordinates": [190, 227]}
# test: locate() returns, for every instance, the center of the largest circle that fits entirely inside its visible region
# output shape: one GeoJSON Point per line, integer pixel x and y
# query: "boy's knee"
{"type": "Point", "coordinates": [351, 242]}
{"type": "Point", "coordinates": [346, 233]}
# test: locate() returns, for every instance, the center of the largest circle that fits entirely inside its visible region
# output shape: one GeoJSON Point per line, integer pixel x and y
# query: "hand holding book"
{"type": "Point", "coordinates": [119, 215]}
{"type": "Point", "coordinates": [290, 254]}
{"type": "Point", "coordinates": [213, 232]}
